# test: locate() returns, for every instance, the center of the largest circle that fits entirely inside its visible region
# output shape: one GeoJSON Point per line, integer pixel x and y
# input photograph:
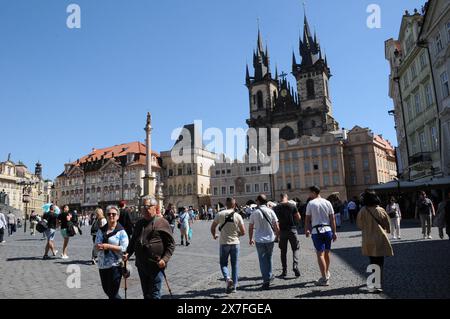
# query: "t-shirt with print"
{"type": "Point", "coordinates": [263, 230]}
{"type": "Point", "coordinates": [229, 235]}
{"type": "Point", "coordinates": [320, 211]}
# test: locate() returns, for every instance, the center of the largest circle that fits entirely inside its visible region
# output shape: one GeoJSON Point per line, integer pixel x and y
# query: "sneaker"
{"type": "Point", "coordinates": [229, 286]}
{"type": "Point", "coordinates": [45, 257]}
{"type": "Point", "coordinates": [182, 243]}
{"type": "Point", "coordinates": [283, 274]}
{"type": "Point", "coordinates": [328, 276]}
{"type": "Point", "coordinates": [394, 238]}
{"type": "Point", "coordinates": [234, 290]}
{"type": "Point", "coordinates": [4, 241]}
{"type": "Point", "coordinates": [64, 257]}
{"type": "Point", "coordinates": [187, 243]}
{"type": "Point", "coordinates": [272, 278]}
{"type": "Point", "coordinates": [429, 237]}
{"type": "Point", "coordinates": [54, 254]}
{"type": "Point", "coordinates": [399, 237]}
{"type": "Point", "coordinates": [266, 286]}
{"type": "Point", "coordinates": [94, 262]}
{"type": "Point", "coordinates": [296, 272]}
{"type": "Point", "coordinates": [424, 237]}
{"type": "Point", "coordinates": [322, 282]}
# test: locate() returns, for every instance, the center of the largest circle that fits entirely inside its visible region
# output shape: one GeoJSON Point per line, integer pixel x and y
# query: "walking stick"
{"type": "Point", "coordinates": [125, 276]}
{"type": "Point", "coordinates": [167, 283]}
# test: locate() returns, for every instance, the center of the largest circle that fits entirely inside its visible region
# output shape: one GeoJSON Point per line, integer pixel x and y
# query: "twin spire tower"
{"type": "Point", "coordinates": [303, 110]}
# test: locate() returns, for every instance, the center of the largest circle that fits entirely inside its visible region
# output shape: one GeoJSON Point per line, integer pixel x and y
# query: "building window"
{"type": "Point", "coordinates": [310, 91]}
{"type": "Point", "coordinates": [413, 71]}
{"type": "Point", "coordinates": [439, 46]}
{"type": "Point", "coordinates": [180, 171]}
{"type": "Point", "coordinates": [353, 179]}
{"type": "Point", "coordinates": [434, 138]}
{"type": "Point", "coordinates": [367, 179]}
{"type": "Point", "coordinates": [216, 191]}
{"type": "Point", "coordinates": [266, 187]}
{"type": "Point", "coordinates": [189, 189]}
{"type": "Point", "coordinates": [423, 142]}
{"type": "Point", "coordinates": [336, 179]}
{"type": "Point", "coordinates": [224, 190]}
{"type": "Point", "coordinates": [287, 168]}
{"type": "Point", "coordinates": [217, 172]}
{"type": "Point", "coordinates": [228, 171]}
{"type": "Point", "coordinates": [170, 190]}
{"type": "Point", "coordinates": [428, 94]}
{"type": "Point", "coordinates": [316, 167]}
{"type": "Point", "coordinates": [352, 164]}
{"type": "Point", "coordinates": [260, 100]}
{"type": "Point", "coordinates": [417, 103]}
{"type": "Point", "coordinates": [289, 186]}
{"type": "Point", "coordinates": [409, 109]}
{"type": "Point", "coordinates": [326, 180]}
{"type": "Point", "coordinates": [444, 84]}
{"type": "Point", "coordinates": [189, 170]}
{"type": "Point", "coordinates": [334, 164]}
{"type": "Point", "coordinates": [231, 190]}
{"type": "Point", "coordinates": [423, 60]}
{"type": "Point", "coordinates": [256, 188]}
{"type": "Point", "coordinates": [448, 32]}
{"type": "Point", "coordinates": [325, 164]}
{"type": "Point", "coordinates": [314, 152]}
{"type": "Point", "coordinates": [248, 188]}
{"type": "Point", "coordinates": [365, 163]}
{"type": "Point", "coordinates": [305, 153]}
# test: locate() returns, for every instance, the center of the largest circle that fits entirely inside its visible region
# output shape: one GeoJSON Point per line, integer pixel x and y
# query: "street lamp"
{"type": "Point", "coordinates": [26, 183]}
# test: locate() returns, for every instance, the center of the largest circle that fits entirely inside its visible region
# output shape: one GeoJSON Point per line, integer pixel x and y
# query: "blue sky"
{"type": "Point", "coordinates": [64, 91]}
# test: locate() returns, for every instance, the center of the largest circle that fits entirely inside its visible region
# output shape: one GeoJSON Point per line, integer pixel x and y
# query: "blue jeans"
{"type": "Point", "coordinates": [227, 251]}
{"type": "Point", "coordinates": [265, 251]}
{"type": "Point", "coordinates": [151, 283]}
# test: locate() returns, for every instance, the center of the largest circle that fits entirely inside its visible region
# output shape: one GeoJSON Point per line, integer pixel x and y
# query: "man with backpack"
{"type": "Point", "coordinates": [231, 227]}
{"type": "Point", "coordinates": [264, 224]}
{"type": "Point", "coordinates": [289, 219]}
{"type": "Point", "coordinates": [425, 210]}
{"type": "Point", "coordinates": [154, 245]}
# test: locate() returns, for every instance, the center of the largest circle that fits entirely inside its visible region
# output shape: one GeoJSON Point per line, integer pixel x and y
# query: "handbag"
{"type": "Point", "coordinates": [70, 229]}
{"type": "Point", "coordinates": [42, 226]}
{"type": "Point", "coordinates": [190, 234]}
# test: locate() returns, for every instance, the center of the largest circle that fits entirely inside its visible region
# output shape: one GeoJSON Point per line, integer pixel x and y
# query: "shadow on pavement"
{"type": "Point", "coordinates": [24, 258]}
{"type": "Point", "coordinates": [75, 262]}
{"type": "Point", "coordinates": [334, 292]}
{"type": "Point", "coordinates": [418, 269]}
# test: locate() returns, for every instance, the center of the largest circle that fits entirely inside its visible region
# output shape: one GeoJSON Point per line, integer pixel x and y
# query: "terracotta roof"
{"type": "Point", "coordinates": [384, 142]}
{"type": "Point", "coordinates": [117, 150]}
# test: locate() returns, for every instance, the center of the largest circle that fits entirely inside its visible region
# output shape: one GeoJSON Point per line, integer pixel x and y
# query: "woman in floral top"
{"type": "Point", "coordinates": [111, 242]}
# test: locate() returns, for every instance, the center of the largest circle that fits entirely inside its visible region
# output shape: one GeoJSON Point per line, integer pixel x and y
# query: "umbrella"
{"type": "Point", "coordinates": [46, 208]}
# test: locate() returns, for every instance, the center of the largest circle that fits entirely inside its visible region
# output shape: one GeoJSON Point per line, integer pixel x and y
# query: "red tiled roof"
{"type": "Point", "coordinates": [117, 150]}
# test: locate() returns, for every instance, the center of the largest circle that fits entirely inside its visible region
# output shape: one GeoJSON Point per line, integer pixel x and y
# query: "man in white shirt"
{"type": "Point", "coordinates": [231, 227]}
{"type": "Point", "coordinates": [320, 223]}
{"type": "Point", "coordinates": [264, 224]}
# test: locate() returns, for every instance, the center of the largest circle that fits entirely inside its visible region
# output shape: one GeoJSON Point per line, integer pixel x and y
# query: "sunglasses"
{"type": "Point", "coordinates": [111, 214]}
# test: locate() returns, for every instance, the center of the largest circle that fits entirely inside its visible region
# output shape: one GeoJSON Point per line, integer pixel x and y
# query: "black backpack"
{"type": "Point", "coordinates": [42, 226]}
{"type": "Point", "coordinates": [94, 227]}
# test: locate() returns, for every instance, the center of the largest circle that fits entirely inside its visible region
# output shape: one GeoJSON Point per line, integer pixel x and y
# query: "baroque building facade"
{"type": "Point", "coordinates": [18, 183]}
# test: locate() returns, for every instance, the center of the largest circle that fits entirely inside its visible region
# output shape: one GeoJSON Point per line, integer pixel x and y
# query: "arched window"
{"type": "Point", "coordinates": [259, 100]}
{"type": "Point", "coordinates": [189, 189]}
{"type": "Point", "coordinates": [310, 91]}
{"type": "Point", "coordinates": [180, 189]}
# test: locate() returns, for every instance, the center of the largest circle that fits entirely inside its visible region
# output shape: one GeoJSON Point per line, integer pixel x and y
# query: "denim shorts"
{"type": "Point", "coordinates": [322, 242]}
{"type": "Point", "coordinates": [50, 233]}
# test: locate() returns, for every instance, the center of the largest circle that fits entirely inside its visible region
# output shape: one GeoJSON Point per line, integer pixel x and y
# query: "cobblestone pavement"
{"type": "Point", "coordinates": [419, 269]}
